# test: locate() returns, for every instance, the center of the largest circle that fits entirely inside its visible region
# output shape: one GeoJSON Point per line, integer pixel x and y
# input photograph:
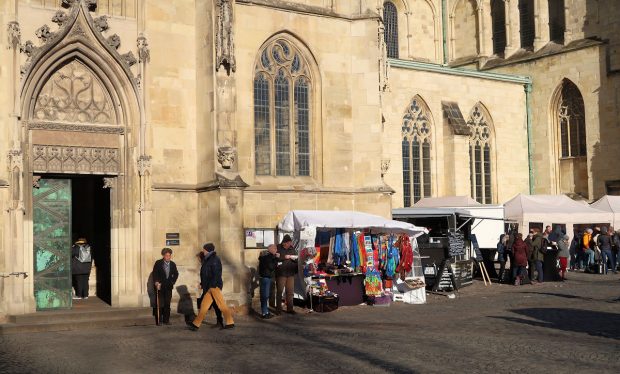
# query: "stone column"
{"type": "Point", "coordinates": [485, 29]}
{"type": "Point", "coordinates": [513, 38]}
{"type": "Point", "coordinates": [541, 9]}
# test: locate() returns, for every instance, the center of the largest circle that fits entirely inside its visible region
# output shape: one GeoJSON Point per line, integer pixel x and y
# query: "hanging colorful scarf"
{"type": "Point", "coordinates": [361, 248]}
{"type": "Point", "coordinates": [406, 256]}
{"type": "Point", "coordinates": [339, 256]}
{"type": "Point", "coordinates": [355, 255]}
{"type": "Point", "coordinates": [383, 252]}
{"type": "Point", "coordinates": [373, 284]}
{"type": "Point", "coordinates": [392, 258]}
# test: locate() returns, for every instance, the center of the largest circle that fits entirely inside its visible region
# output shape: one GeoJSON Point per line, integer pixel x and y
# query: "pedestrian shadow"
{"type": "Point", "coordinates": [593, 323]}
{"type": "Point", "coordinates": [186, 304]}
{"type": "Point", "coordinates": [566, 296]}
{"type": "Point", "coordinates": [150, 290]}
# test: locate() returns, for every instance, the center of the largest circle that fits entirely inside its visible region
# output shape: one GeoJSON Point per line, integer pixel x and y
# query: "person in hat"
{"type": "Point", "coordinates": [81, 263]}
{"type": "Point", "coordinates": [286, 270]}
{"type": "Point", "coordinates": [211, 283]}
{"type": "Point", "coordinates": [165, 275]}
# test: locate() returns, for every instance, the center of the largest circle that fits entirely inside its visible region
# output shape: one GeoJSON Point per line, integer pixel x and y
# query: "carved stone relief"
{"type": "Point", "coordinates": [144, 53]}
{"type": "Point", "coordinates": [75, 160]}
{"type": "Point", "coordinates": [226, 156]}
{"type": "Point", "coordinates": [74, 94]}
{"type": "Point", "coordinates": [14, 34]}
{"type": "Point", "coordinates": [144, 165]}
{"type": "Point", "coordinates": [109, 183]}
{"type": "Point", "coordinates": [385, 166]}
{"type": "Point", "coordinates": [225, 42]}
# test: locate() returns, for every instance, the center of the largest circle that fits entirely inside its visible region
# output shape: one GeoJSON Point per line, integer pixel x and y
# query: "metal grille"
{"type": "Point", "coordinates": [390, 21]}
{"type": "Point", "coordinates": [302, 108]}
{"type": "Point", "coordinates": [262, 128]}
{"type": "Point", "coordinates": [426, 167]}
{"type": "Point", "coordinates": [557, 20]}
{"type": "Point", "coordinates": [478, 172]}
{"type": "Point", "coordinates": [487, 174]}
{"type": "Point", "coordinates": [480, 155]}
{"type": "Point", "coordinates": [564, 137]}
{"type": "Point", "coordinates": [498, 14]}
{"type": "Point", "coordinates": [572, 121]}
{"type": "Point", "coordinates": [282, 117]}
{"type": "Point", "coordinates": [415, 158]}
{"type": "Point", "coordinates": [526, 16]}
{"type": "Point", "coordinates": [407, 172]}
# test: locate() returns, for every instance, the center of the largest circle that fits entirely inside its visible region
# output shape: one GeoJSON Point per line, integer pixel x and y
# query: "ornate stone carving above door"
{"type": "Point", "coordinates": [74, 94]}
{"type": "Point", "coordinates": [75, 160]}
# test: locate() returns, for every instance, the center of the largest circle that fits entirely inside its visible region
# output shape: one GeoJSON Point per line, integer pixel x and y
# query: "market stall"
{"type": "Point", "coordinates": [356, 256]}
{"type": "Point", "coordinates": [609, 204]}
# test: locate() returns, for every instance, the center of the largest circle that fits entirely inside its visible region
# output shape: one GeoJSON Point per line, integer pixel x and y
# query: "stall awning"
{"type": "Point", "coordinates": [447, 202]}
{"type": "Point", "coordinates": [553, 208]}
{"type": "Point", "coordinates": [297, 220]}
{"type": "Point", "coordinates": [429, 212]}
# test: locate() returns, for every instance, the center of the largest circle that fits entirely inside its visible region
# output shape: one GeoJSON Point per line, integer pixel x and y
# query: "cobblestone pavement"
{"type": "Point", "coordinates": [549, 328]}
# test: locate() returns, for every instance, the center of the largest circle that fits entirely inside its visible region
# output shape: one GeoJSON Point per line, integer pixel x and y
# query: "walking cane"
{"type": "Point", "coordinates": [157, 291]}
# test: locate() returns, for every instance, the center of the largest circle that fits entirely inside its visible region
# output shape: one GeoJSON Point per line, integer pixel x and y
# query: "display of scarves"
{"type": "Point", "coordinates": [346, 241]}
{"type": "Point", "coordinates": [330, 253]}
{"type": "Point", "coordinates": [339, 253]}
{"type": "Point", "coordinates": [383, 252]}
{"type": "Point", "coordinates": [373, 284]}
{"type": "Point", "coordinates": [406, 257]}
{"type": "Point", "coordinates": [392, 258]}
{"type": "Point", "coordinates": [361, 249]}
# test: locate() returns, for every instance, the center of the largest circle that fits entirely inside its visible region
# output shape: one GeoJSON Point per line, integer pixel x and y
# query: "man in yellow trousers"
{"type": "Point", "coordinates": [211, 282]}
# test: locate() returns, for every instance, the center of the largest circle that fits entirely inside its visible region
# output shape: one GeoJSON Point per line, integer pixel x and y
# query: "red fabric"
{"type": "Point", "coordinates": [563, 263]}
{"type": "Point", "coordinates": [406, 256]}
{"type": "Point", "coordinates": [519, 249]}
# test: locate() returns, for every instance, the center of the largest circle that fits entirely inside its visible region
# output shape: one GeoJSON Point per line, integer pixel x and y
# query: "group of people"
{"type": "Point", "coordinates": [527, 256]}
{"type": "Point", "coordinates": [165, 275]}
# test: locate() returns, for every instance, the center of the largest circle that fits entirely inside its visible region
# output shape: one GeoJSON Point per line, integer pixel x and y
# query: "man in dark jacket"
{"type": "Point", "coordinates": [604, 242]}
{"type": "Point", "coordinates": [211, 282]}
{"type": "Point", "coordinates": [285, 274]}
{"type": "Point", "coordinates": [267, 261]}
{"type": "Point", "coordinates": [81, 263]}
{"type": "Point", "coordinates": [538, 255]}
{"type": "Point", "coordinates": [165, 275]}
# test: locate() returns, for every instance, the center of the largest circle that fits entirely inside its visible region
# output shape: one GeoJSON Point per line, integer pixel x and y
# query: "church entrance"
{"type": "Point", "coordinates": [67, 208]}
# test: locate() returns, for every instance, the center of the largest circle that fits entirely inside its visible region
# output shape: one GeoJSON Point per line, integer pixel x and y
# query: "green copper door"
{"type": "Point", "coordinates": [52, 244]}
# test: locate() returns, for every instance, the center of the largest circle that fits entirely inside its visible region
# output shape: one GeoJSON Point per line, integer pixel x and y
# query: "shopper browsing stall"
{"type": "Point", "coordinates": [285, 274]}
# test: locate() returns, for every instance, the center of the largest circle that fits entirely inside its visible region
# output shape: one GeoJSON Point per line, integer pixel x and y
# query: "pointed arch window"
{"type": "Point", "coordinates": [527, 23]}
{"type": "Point", "coordinates": [282, 111]}
{"type": "Point", "coordinates": [498, 16]}
{"type": "Point", "coordinates": [480, 156]}
{"type": "Point", "coordinates": [416, 152]}
{"type": "Point", "coordinates": [390, 21]}
{"type": "Point", "coordinates": [571, 117]}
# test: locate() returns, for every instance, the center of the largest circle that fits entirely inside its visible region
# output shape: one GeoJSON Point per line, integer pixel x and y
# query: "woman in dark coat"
{"type": "Point", "coordinates": [81, 263]}
{"type": "Point", "coordinates": [519, 249]}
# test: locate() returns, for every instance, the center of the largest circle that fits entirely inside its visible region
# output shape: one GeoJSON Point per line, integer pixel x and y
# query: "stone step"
{"type": "Point", "coordinates": [104, 322]}
{"type": "Point", "coordinates": [78, 315]}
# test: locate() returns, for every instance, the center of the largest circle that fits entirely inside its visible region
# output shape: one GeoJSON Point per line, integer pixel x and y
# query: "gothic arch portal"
{"type": "Point", "coordinates": [81, 110]}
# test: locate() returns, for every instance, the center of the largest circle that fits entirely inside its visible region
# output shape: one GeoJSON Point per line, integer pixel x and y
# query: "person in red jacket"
{"type": "Point", "coordinates": [520, 252]}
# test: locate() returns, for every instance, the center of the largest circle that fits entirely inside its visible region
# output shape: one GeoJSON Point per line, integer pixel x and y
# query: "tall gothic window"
{"type": "Point", "coordinates": [498, 15]}
{"type": "Point", "coordinates": [557, 21]}
{"type": "Point", "coordinates": [480, 155]}
{"type": "Point", "coordinates": [390, 20]}
{"type": "Point", "coordinates": [282, 111]}
{"type": "Point", "coordinates": [416, 150]}
{"type": "Point", "coordinates": [571, 117]}
{"type": "Point", "coordinates": [526, 18]}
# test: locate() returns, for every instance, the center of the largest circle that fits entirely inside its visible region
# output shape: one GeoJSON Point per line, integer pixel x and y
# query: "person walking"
{"type": "Point", "coordinates": [563, 254]}
{"type": "Point", "coordinates": [81, 264]}
{"type": "Point", "coordinates": [520, 253]}
{"type": "Point", "coordinates": [165, 275]}
{"type": "Point", "coordinates": [267, 261]}
{"type": "Point", "coordinates": [538, 256]}
{"type": "Point", "coordinates": [211, 283]}
{"type": "Point", "coordinates": [604, 243]}
{"type": "Point", "coordinates": [285, 274]}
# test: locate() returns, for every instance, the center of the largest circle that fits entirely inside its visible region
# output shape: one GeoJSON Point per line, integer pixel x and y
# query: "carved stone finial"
{"type": "Point", "coordinates": [60, 18]}
{"type": "Point", "coordinates": [35, 181]}
{"type": "Point", "coordinates": [129, 58]}
{"type": "Point", "coordinates": [14, 34]}
{"type": "Point", "coordinates": [109, 183]}
{"type": "Point", "coordinates": [144, 53]}
{"type": "Point", "coordinates": [28, 48]}
{"type": "Point", "coordinates": [225, 42]}
{"type": "Point", "coordinates": [226, 156]}
{"type": "Point", "coordinates": [44, 33]}
{"type": "Point", "coordinates": [101, 23]}
{"type": "Point", "coordinates": [15, 159]}
{"type": "Point", "coordinates": [144, 165]}
{"type": "Point", "coordinates": [385, 166]}
{"type": "Point", "coordinates": [114, 41]}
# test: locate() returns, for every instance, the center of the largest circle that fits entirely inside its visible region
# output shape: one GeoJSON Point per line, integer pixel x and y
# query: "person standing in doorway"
{"type": "Point", "coordinates": [81, 263]}
{"type": "Point", "coordinates": [267, 262]}
{"type": "Point", "coordinates": [211, 283]}
{"type": "Point", "coordinates": [165, 275]}
{"type": "Point", "coordinates": [285, 274]}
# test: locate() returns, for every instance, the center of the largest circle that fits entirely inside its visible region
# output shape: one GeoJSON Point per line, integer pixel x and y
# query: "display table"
{"type": "Point", "coordinates": [349, 287]}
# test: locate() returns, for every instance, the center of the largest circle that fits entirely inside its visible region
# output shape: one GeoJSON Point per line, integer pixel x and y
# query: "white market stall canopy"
{"type": "Point", "coordinates": [297, 220]}
{"type": "Point", "coordinates": [610, 204]}
{"type": "Point", "coordinates": [553, 209]}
